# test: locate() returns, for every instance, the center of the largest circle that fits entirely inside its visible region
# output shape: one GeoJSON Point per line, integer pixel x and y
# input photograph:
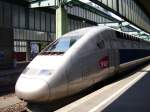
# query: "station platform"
{"type": "Point", "coordinates": [136, 99]}
{"type": "Point", "coordinates": [10, 103]}
{"type": "Point", "coordinates": [130, 94]}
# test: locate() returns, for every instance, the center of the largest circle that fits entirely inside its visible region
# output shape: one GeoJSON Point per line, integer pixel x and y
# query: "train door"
{"type": "Point", "coordinates": [75, 75]}
{"type": "Point", "coordinates": [113, 51]}
{"type": "Point", "coordinates": [86, 68]}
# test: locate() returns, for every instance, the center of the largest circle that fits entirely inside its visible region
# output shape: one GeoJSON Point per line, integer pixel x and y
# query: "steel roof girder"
{"type": "Point", "coordinates": [144, 24]}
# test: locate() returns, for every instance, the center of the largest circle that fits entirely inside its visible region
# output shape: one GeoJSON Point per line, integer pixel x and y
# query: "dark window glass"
{"type": "Point", "coordinates": [72, 41]}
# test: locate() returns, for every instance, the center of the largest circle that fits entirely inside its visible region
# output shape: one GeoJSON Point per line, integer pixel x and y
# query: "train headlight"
{"type": "Point", "coordinates": [45, 72]}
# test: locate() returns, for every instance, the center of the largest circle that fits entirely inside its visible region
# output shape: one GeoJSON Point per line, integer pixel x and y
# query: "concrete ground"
{"type": "Point", "coordinates": [136, 99]}
{"type": "Point", "coordinates": [10, 103]}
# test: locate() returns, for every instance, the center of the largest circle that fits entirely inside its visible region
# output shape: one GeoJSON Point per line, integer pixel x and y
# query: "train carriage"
{"type": "Point", "coordinates": [78, 60]}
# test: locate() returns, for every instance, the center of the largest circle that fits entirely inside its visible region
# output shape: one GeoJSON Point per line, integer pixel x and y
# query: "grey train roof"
{"type": "Point", "coordinates": [80, 32]}
{"type": "Point", "coordinates": [83, 31]}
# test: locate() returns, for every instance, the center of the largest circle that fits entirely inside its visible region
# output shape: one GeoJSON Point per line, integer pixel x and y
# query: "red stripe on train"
{"type": "Point", "coordinates": [104, 62]}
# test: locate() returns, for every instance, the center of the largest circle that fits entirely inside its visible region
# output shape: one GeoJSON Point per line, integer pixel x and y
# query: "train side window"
{"type": "Point", "coordinates": [101, 44]}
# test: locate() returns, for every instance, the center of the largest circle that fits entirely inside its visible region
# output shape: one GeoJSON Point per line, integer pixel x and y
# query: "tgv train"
{"type": "Point", "coordinates": [78, 60]}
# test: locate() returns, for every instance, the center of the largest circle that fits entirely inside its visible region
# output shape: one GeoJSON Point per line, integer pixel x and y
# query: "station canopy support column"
{"type": "Point", "coordinates": [61, 20]}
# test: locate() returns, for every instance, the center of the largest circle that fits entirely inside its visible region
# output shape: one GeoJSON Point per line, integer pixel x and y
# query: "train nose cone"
{"type": "Point", "coordinates": [34, 90]}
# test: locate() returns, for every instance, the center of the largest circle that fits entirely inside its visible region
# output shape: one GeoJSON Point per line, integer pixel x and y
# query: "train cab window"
{"type": "Point", "coordinates": [60, 46]}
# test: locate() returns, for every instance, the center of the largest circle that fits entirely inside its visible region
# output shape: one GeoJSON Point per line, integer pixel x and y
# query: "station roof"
{"type": "Point", "coordinates": [144, 3]}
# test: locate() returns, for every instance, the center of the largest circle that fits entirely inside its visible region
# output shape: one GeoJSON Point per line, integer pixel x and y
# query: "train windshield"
{"type": "Point", "coordinates": [60, 46]}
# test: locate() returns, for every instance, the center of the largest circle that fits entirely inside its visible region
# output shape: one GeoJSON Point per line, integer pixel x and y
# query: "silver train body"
{"type": "Point", "coordinates": [78, 60]}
